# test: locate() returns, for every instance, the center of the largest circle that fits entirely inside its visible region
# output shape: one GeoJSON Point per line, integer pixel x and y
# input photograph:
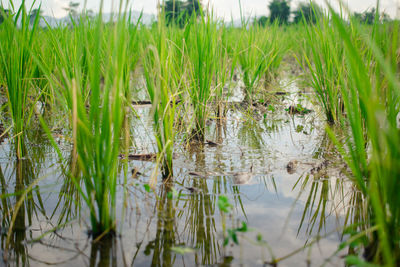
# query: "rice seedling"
{"type": "Point", "coordinates": [326, 65]}
{"type": "Point", "coordinates": [97, 134]}
{"type": "Point", "coordinates": [372, 150]}
{"type": "Point", "coordinates": [162, 86]}
{"type": "Point", "coordinates": [71, 60]}
{"type": "Point", "coordinates": [95, 97]}
{"type": "Point", "coordinates": [223, 71]}
{"type": "Point", "coordinates": [17, 68]}
{"type": "Point", "coordinates": [259, 54]}
{"type": "Point", "coordinates": [87, 72]}
{"type": "Point", "coordinates": [201, 57]}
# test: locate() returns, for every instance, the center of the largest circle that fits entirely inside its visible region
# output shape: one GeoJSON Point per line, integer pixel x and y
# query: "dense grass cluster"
{"type": "Point", "coordinates": [89, 72]}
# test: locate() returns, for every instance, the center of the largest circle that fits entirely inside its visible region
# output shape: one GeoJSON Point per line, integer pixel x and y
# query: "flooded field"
{"type": "Point", "coordinates": [277, 169]}
{"type": "Point", "coordinates": [194, 142]}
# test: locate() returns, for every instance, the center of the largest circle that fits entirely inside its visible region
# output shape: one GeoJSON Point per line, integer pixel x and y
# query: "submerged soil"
{"type": "Point", "coordinates": [278, 169]}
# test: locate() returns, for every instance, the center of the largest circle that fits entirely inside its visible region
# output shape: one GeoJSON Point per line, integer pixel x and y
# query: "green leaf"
{"type": "Point", "coordinates": [147, 188]}
{"type": "Point", "coordinates": [182, 250]}
{"type": "Point", "coordinates": [170, 195]}
{"type": "Point", "coordinates": [223, 204]}
{"type": "Point", "coordinates": [259, 238]}
{"type": "Point", "coordinates": [356, 261]}
{"type": "Point", "coordinates": [243, 229]}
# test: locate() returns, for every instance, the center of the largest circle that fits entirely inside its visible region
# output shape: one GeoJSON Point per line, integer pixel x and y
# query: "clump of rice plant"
{"type": "Point", "coordinates": [224, 69]}
{"type": "Point", "coordinates": [162, 83]}
{"type": "Point", "coordinates": [326, 65]}
{"type": "Point", "coordinates": [96, 100]}
{"type": "Point", "coordinates": [258, 54]}
{"type": "Point", "coordinates": [17, 68]}
{"type": "Point", "coordinates": [372, 151]}
{"type": "Point", "coordinates": [202, 55]}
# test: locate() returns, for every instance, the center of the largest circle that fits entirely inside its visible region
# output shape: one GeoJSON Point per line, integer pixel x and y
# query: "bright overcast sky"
{"type": "Point", "coordinates": [223, 8]}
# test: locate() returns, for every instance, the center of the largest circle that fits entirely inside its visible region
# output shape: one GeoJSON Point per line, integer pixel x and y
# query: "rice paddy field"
{"type": "Point", "coordinates": [123, 144]}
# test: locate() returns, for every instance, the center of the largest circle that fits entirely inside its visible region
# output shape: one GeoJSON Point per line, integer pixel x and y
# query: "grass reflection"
{"type": "Point", "coordinates": [19, 209]}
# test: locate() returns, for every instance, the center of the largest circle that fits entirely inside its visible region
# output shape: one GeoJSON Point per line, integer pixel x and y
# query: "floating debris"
{"type": "Point", "coordinates": [212, 144]}
{"type": "Point", "coordinates": [319, 167]}
{"type": "Point", "coordinates": [141, 157]}
{"type": "Point", "coordinates": [299, 109]}
{"type": "Point", "coordinates": [291, 166]}
{"type": "Point", "coordinates": [197, 174]}
{"type": "Point", "coordinates": [135, 172]}
{"type": "Point", "coordinates": [243, 177]}
{"type": "Point", "coordinates": [193, 189]}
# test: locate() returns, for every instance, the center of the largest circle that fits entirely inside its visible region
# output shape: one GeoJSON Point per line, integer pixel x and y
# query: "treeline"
{"type": "Point", "coordinates": [280, 13]}
{"type": "Point", "coordinates": [179, 12]}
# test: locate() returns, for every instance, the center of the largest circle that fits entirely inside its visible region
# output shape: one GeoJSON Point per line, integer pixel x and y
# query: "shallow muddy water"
{"type": "Point", "coordinates": [278, 170]}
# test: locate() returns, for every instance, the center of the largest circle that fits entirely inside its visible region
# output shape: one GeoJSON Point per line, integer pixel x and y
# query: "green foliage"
{"type": "Point", "coordinates": [232, 234]}
{"type": "Point", "coordinates": [370, 15]}
{"type": "Point", "coordinates": [324, 59]}
{"type": "Point", "coordinates": [202, 52]}
{"type": "Point", "coordinates": [223, 204]}
{"type": "Point", "coordinates": [182, 250]}
{"type": "Point", "coordinates": [372, 151]}
{"type": "Point", "coordinates": [356, 261]}
{"type": "Point", "coordinates": [33, 14]}
{"type": "Point", "coordinates": [18, 69]}
{"type": "Point", "coordinates": [147, 188]}
{"type": "Point", "coordinates": [279, 11]}
{"type": "Point", "coordinates": [259, 56]}
{"type": "Point", "coordinates": [309, 12]}
{"type": "Point", "coordinates": [177, 12]}
{"type": "Point", "coordinates": [4, 13]}
{"type": "Point", "coordinates": [162, 83]}
{"type": "Point", "coordinates": [262, 21]}
{"type": "Point", "coordinates": [98, 131]}
{"type": "Point", "coordinates": [97, 112]}
{"type": "Point", "coordinates": [72, 9]}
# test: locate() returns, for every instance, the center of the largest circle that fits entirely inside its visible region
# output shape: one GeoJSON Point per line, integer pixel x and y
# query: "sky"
{"type": "Point", "coordinates": [222, 8]}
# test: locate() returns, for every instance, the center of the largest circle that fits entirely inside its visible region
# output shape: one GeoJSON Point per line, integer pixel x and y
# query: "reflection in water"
{"type": "Point", "coordinates": [183, 213]}
{"type": "Point", "coordinates": [69, 198]}
{"type": "Point", "coordinates": [250, 134]}
{"type": "Point", "coordinates": [104, 252]}
{"type": "Point", "coordinates": [16, 248]}
{"type": "Point", "coordinates": [328, 193]}
{"type": "Point", "coordinates": [18, 233]}
{"type": "Point", "coordinates": [165, 232]}
{"type": "Point", "coordinates": [20, 206]}
{"type": "Point", "coordinates": [201, 224]}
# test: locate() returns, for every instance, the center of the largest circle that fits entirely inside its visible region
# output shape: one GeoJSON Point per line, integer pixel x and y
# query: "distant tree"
{"type": "Point", "coordinates": [33, 14]}
{"type": "Point", "coordinates": [262, 21]}
{"type": "Point", "coordinates": [88, 14]}
{"type": "Point", "coordinates": [368, 16]}
{"type": "Point", "coordinates": [72, 9]}
{"type": "Point", "coordinates": [279, 11]}
{"type": "Point", "coordinates": [173, 12]}
{"type": "Point", "coordinates": [193, 7]}
{"type": "Point", "coordinates": [3, 14]}
{"type": "Point", "coordinates": [309, 11]}
{"type": "Point", "coordinates": [178, 12]}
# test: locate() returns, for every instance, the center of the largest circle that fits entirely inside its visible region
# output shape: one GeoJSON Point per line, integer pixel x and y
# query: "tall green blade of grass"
{"type": "Point", "coordinates": [17, 68]}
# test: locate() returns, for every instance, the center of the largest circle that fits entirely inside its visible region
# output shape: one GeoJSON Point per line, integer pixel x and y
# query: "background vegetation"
{"type": "Point", "coordinates": [86, 71]}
